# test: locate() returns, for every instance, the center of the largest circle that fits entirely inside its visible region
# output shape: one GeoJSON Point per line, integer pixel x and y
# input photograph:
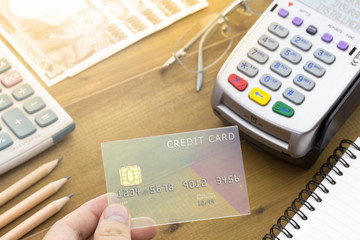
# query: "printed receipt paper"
{"type": "Point", "coordinates": [178, 177]}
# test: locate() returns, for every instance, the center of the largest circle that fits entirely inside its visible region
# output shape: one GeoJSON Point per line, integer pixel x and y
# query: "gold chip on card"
{"type": "Point", "coordinates": [130, 175]}
{"type": "Point", "coordinates": [179, 177]}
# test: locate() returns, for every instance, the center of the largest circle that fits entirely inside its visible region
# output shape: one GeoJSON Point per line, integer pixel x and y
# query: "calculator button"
{"type": "Point", "coordinates": [270, 82]}
{"type": "Point", "coordinates": [46, 118]}
{"type": "Point", "coordinates": [342, 45]}
{"type": "Point", "coordinates": [5, 102]}
{"type": "Point", "coordinates": [283, 109]}
{"type": "Point", "coordinates": [297, 21]}
{"type": "Point", "coordinates": [283, 13]}
{"type": "Point", "coordinates": [4, 65]}
{"type": "Point", "coordinates": [314, 68]}
{"type": "Point", "coordinates": [301, 43]}
{"type": "Point", "coordinates": [293, 95]}
{"type": "Point", "coordinates": [324, 56]}
{"type": "Point", "coordinates": [268, 42]}
{"type": "Point", "coordinates": [11, 79]}
{"type": "Point", "coordinates": [312, 30]}
{"type": "Point", "coordinates": [280, 68]}
{"type": "Point", "coordinates": [19, 124]}
{"type": "Point", "coordinates": [247, 68]}
{"type": "Point", "coordinates": [5, 141]}
{"type": "Point", "coordinates": [23, 92]}
{"type": "Point", "coordinates": [304, 82]}
{"type": "Point", "coordinates": [258, 55]}
{"type": "Point", "coordinates": [326, 37]}
{"type": "Point", "coordinates": [239, 83]}
{"type": "Point", "coordinates": [278, 30]}
{"type": "Point", "coordinates": [291, 55]}
{"type": "Point", "coordinates": [33, 105]}
{"type": "Point", "coordinates": [259, 96]}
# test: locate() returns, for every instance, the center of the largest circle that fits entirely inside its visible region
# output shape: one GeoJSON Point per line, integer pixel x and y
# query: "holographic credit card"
{"type": "Point", "coordinates": [178, 177]}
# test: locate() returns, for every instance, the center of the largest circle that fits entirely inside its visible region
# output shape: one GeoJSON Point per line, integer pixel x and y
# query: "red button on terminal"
{"type": "Point", "coordinates": [238, 82]}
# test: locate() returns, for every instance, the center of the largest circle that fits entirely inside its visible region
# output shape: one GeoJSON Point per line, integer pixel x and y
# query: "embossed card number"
{"type": "Point", "coordinates": [179, 177]}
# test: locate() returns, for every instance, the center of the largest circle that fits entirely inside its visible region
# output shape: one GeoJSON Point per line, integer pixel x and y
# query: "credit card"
{"type": "Point", "coordinates": [178, 177]}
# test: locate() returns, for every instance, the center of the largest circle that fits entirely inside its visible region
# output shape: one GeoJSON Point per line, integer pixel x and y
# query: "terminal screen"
{"type": "Point", "coordinates": [345, 12]}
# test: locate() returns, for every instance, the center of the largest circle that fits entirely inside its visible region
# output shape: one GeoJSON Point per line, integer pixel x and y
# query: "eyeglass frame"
{"type": "Point", "coordinates": [203, 34]}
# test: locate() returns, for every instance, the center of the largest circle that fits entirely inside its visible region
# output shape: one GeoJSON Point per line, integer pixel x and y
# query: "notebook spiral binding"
{"type": "Point", "coordinates": [307, 192]}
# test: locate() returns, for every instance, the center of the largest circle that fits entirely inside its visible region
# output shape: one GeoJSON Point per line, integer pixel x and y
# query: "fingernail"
{"type": "Point", "coordinates": [117, 212]}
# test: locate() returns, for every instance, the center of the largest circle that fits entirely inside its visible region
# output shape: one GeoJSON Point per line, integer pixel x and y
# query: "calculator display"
{"type": "Point", "coordinates": [345, 12]}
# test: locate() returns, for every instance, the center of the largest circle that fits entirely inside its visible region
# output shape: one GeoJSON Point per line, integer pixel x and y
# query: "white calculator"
{"type": "Point", "coordinates": [30, 119]}
{"type": "Point", "coordinates": [293, 79]}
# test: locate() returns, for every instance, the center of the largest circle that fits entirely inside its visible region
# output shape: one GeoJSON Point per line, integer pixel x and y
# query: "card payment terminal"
{"type": "Point", "coordinates": [293, 79]}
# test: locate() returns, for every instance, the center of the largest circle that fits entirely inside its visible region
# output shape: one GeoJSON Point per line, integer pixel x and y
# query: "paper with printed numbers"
{"type": "Point", "coordinates": [60, 38]}
{"type": "Point", "coordinates": [178, 177]}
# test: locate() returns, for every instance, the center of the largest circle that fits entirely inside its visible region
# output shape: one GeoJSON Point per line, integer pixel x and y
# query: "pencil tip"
{"type": "Point", "coordinates": [68, 177]}
{"type": "Point", "coordinates": [70, 196]}
{"type": "Point", "coordinates": [59, 160]}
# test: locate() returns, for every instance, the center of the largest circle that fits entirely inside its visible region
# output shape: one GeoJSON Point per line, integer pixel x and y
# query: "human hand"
{"type": "Point", "coordinates": [99, 221]}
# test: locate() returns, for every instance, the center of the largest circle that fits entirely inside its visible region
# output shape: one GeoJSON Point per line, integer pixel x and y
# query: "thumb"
{"type": "Point", "coordinates": [114, 224]}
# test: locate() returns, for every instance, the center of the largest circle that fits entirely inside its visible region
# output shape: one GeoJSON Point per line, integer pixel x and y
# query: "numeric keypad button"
{"type": "Point", "coordinates": [278, 30]}
{"type": "Point", "coordinates": [268, 42]}
{"type": "Point", "coordinates": [270, 82]}
{"type": "Point", "coordinates": [324, 56]}
{"type": "Point", "coordinates": [314, 68]}
{"type": "Point", "coordinates": [257, 55]}
{"type": "Point", "coordinates": [280, 68]}
{"type": "Point", "coordinates": [301, 43]}
{"type": "Point", "coordinates": [304, 82]}
{"type": "Point", "coordinates": [291, 55]}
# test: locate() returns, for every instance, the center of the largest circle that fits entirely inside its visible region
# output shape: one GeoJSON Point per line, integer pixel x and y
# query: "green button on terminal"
{"type": "Point", "coordinates": [283, 109]}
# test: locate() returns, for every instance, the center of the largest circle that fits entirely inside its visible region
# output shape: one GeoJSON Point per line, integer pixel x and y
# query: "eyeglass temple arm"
{"type": "Point", "coordinates": [182, 52]}
{"type": "Point", "coordinates": [200, 70]}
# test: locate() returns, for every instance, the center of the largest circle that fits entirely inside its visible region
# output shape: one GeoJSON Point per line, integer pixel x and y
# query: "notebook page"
{"type": "Point", "coordinates": [336, 216]}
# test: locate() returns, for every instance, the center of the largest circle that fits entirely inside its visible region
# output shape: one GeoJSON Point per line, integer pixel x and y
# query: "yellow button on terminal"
{"type": "Point", "coordinates": [259, 96]}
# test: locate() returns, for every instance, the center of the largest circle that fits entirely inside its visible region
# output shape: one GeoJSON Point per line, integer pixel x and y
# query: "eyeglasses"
{"type": "Point", "coordinates": [208, 40]}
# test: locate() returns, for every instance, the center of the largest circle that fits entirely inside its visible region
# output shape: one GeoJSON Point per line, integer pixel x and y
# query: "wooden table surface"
{"type": "Point", "coordinates": [125, 97]}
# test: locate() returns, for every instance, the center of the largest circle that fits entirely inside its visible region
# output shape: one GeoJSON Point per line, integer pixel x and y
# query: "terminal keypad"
{"type": "Point", "coordinates": [281, 64]}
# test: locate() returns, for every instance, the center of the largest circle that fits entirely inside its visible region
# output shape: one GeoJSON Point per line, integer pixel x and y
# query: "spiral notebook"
{"type": "Point", "coordinates": [327, 208]}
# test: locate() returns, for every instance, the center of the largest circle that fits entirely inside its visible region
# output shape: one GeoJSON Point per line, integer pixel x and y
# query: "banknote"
{"type": "Point", "coordinates": [61, 38]}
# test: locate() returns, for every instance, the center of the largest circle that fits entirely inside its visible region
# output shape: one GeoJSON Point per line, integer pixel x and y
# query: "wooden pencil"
{"type": "Point", "coordinates": [31, 201]}
{"type": "Point", "coordinates": [36, 219]}
{"type": "Point", "coordinates": [27, 181]}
